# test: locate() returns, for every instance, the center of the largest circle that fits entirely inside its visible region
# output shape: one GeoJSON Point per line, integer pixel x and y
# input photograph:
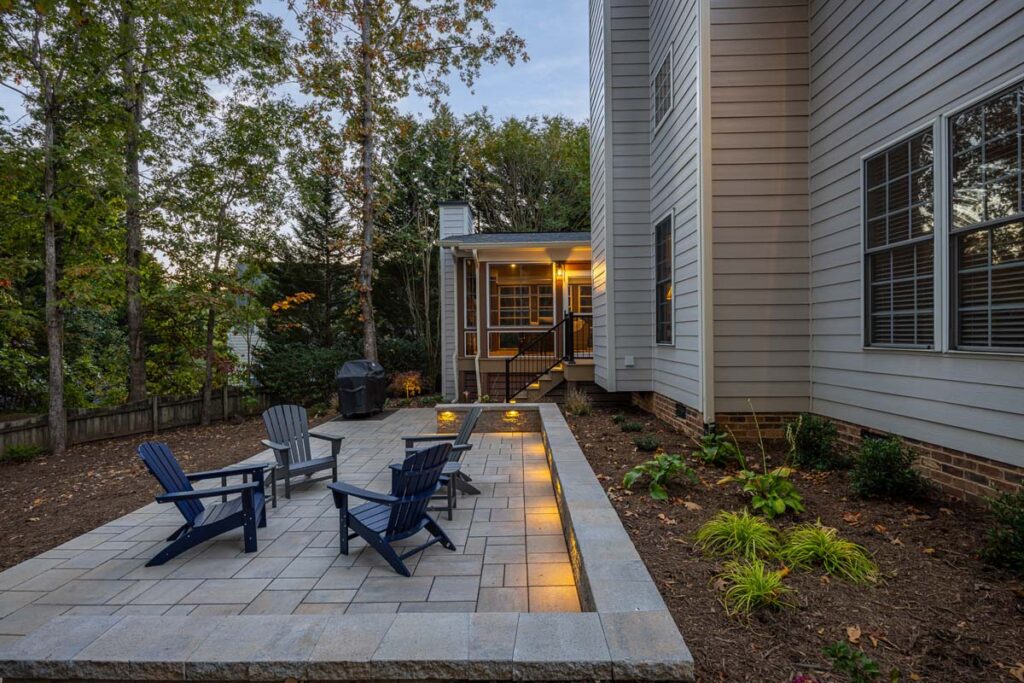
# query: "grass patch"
{"type": "Point", "coordinates": [739, 535]}
{"type": "Point", "coordinates": [815, 545]}
{"type": "Point", "coordinates": [21, 453]}
{"type": "Point", "coordinates": [752, 586]}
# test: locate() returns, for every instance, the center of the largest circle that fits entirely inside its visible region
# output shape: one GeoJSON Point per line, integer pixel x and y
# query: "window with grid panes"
{"type": "Point", "coordinates": [663, 281]}
{"type": "Point", "coordinates": [663, 90]}
{"type": "Point", "coordinates": [987, 224]}
{"type": "Point", "coordinates": [899, 213]}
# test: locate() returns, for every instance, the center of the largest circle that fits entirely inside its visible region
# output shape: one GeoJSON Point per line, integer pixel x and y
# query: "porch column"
{"type": "Point", "coordinates": [456, 218]}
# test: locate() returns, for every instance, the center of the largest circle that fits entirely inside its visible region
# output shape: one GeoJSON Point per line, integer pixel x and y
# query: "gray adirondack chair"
{"type": "Point", "coordinates": [452, 477]}
{"type": "Point", "coordinates": [288, 429]}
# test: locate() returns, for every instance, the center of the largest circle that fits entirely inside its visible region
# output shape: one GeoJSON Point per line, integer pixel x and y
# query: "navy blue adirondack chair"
{"type": "Point", "coordinates": [288, 429]}
{"type": "Point", "coordinates": [453, 478]}
{"type": "Point", "coordinates": [390, 517]}
{"type": "Point", "coordinates": [203, 522]}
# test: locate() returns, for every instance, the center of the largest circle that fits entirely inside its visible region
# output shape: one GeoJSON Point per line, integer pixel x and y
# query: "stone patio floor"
{"type": "Point", "coordinates": [511, 554]}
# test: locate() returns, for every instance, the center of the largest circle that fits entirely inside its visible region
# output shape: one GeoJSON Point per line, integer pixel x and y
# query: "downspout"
{"type": "Point", "coordinates": [705, 223]}
{"type": "Point", "coordinates": [479, 325]}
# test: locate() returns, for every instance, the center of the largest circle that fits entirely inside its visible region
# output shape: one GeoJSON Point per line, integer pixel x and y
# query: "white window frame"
{"type": "Point", "coordinates": [671, 217]}
{"type": "Point", "coordinates": [937, 282]}
{"type": "Point", "coordinates": [666, 60]}
{"type": "Point", "coordinates": [943, 284]}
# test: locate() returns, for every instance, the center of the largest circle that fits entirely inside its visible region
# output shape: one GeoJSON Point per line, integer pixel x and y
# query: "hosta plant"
{"type": "Point", "coordinates": [772, 493]}
{"type": "Point", "coordinates": [738, 535]}
{"type": "Point", "coordinates": [855, 664]}
{"type": "Point", "coordinates": [816, 545]}
{"type": "Point", "coordinates": [719, 449]}
{"type": "Point", "coordinates": [752, 586]}
{"type": "Point", "coordinates": [660, 470]}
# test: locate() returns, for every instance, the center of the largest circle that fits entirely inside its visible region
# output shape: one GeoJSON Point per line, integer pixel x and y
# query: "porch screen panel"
{"type": "Point", "coordinates": [899, 213]}
{"type": "Point", "coordinates": [987, 227]}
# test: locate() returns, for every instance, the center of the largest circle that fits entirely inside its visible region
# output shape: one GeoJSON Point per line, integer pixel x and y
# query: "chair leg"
{"type": "Point", "coordinates": [464, 485]}
{"type": "Point", "coordinates": [249, 532]}
{"type": "Point", "coordinates": [288, 486]}
{"type": "Point", "coordinates": [178, 532]}
{"type": "Point", "coordinates": [437, 532]}
{"type": "Point", "coordinates": [180, 545]}
{"type": "Point", "coordinates": [389, 555]}
{"type": "Point", "coordinates": [263, 517]}
{"type": "Point", "coordinates": [451, 497]}
{"type": "Point", "coordinates": [343, 530]}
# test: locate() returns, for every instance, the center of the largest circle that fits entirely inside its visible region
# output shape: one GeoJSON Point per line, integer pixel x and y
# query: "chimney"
{"type": "Point", "coordinates": [456, 219]}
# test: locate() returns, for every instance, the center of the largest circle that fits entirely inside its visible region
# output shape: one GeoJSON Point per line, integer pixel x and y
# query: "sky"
{"type": "Point", "coordinates": [554, 81]}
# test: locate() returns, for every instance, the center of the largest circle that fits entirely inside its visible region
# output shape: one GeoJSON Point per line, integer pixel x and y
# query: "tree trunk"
{"type": "Point", "coordinates": [206, 411]}
{"type": "Point", "coordinates": [366, 257]}
{"type": "Point", "coordinates": [54, 315]}
{"type": "Point", "coordinates": [134, 100]}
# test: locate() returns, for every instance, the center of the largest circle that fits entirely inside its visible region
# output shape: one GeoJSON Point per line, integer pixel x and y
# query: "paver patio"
{"type": "Point", "coordinates": [511, 555]}
{"type": "Point", "coordinates": [298, 609]}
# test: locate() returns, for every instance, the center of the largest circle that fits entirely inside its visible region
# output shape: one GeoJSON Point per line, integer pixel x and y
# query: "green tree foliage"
{"type": "Point", "coordinates": [531, 175]}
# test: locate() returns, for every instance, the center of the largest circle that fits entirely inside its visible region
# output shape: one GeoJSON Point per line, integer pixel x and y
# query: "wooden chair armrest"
{"type": "Point", "coordinates": [349, 490]}
{"type": "Point", "coordinates": [274, 445]}
{"type": "Point", "coordinates": [227, 472]}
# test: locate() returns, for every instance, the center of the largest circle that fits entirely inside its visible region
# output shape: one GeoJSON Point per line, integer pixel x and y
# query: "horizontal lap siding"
{"type": "Point", "coordinates": [598, 194]}
{"type": "Point", "coordinates": [674, 189]}
{"type": "Point", "coordinates": [628, 228]}
{"type": "Point", "coordinates": [877, 71]}
{"type": "Point", "coordinates": [759, 80]}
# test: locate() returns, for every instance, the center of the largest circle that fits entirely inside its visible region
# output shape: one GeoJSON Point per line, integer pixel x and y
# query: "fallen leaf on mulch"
{"type": "Point", "coordinates": [666, 519]}
{"type": "Point", "coordinates": [851, 518]}
{"type": "Point", "coordinates": [880, 528]}
{"type": "Point", "coordinates": [1018, 672]}
{"type": "Point", "coordinates": [853, 634]}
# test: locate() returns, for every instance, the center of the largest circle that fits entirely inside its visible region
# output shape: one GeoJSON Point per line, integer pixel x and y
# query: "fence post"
{"type": "Point", "coordinates": [224, 401]}
{"type": "Point", "coordinates": [156, 414]}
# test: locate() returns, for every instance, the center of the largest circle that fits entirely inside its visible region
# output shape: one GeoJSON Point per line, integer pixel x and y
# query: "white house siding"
{"type": "Point", "coordinates": [879, 70]}
{"type": "Point", "coordinates": [759, 207]}
{"type": "Point", "coordinates": [455, 219]}
{"type": "Point", "coordinates": [622, 242]}
{"type": "Point", "coordinates": [598, 195]}
{"type": "Point", "coordinates": [674, 179]}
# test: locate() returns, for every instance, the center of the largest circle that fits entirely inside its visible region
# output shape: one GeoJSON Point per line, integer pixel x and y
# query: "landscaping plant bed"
{"type": "Point", "coordinates": [50, 500]}
{"type": "Point", "coordinates": [937, 612]}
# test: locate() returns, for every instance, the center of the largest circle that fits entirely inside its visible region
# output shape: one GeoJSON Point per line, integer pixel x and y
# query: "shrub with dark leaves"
{"type": "Point", "coordinates": [884, 468]}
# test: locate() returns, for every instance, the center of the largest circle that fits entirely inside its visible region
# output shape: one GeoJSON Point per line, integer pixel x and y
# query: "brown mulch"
{"type": "Point", "coordinates": [50, 500]}
{"type": "Point", "coordinates": [937, 614]}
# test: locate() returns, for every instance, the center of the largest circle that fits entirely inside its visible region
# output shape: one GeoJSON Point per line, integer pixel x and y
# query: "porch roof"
{"type": "Point", "coordinates": [518, 239]}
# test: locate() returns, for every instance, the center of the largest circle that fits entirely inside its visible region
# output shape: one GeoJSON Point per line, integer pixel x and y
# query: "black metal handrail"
{"type": "Point", "coordinates": [537, 357]}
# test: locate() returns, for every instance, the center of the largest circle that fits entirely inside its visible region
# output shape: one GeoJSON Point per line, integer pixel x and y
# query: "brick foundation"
{"type": "Point", "coordinates": [665, 408]}
{"type": "Point", "coordinates": [961, 475]}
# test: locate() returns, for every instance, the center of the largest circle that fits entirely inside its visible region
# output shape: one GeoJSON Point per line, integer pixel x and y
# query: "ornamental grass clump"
{"type": "Point", "coordinates": [752, 586]}
{"type": "Point", "coordinates": [815, 545]}
{"type": "Point", "coordinates": [577, 402]}
{"type": "Point", "coordinates": [738, 535]}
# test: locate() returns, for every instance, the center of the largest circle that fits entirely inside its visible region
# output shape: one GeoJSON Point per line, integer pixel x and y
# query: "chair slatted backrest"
{"type": "Point", "coordinates": [467, 427]}
{"type": "Point", "coordinates": [289, 425]}
{"type": "Point", "coordinates": [164, 466]}
{"type": "Point", "coordinates": [419, 474]}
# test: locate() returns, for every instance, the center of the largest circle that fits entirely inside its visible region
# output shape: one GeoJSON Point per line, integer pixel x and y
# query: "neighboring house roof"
{"type": "Point", "coordinates": [518, 239]}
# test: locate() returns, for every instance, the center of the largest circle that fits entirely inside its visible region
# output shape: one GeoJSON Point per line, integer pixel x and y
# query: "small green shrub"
{"type": "Point", "coordinates": [771, 494]}
{"type": "Point", "coordinates": [1004, 544]}
{"type": "Point", "coordinates": [884, 469]}
{"type": "Point", "coordinates": [647, 442]}
{"type": "Point", "coordinates": [21, 453]}
{"type": "Point", "coordinates": [718, 449]}
{"type": "Point", "coordinates": [814, 545]}
{"type": "Point", "coordinates": [661, 469]}
{"type": "Point", "coordinates": [577, 402]}
{"type": "Point", "coordinates": [812, 442]}
{"type": "Point", "coordinates": [852, 662]}
{"type": "Point", "coordinates": [631, 426]}
{"type": "Point", "coordinates": [619, 418]}
{"type": "Point", "coordinates": [752, 586]}
{"type": "Point", "coordinates": [738, 534]}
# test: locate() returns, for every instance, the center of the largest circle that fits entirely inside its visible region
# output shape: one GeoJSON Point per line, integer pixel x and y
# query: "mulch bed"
{"type": "Point", "coordinates": [50, 500]}
{"type": "Point", "coordinates": [937, 614]}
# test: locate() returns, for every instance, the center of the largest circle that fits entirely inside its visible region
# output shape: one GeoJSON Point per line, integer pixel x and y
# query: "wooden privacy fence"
{"type": "Point", "coordinates": [142, 417]}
